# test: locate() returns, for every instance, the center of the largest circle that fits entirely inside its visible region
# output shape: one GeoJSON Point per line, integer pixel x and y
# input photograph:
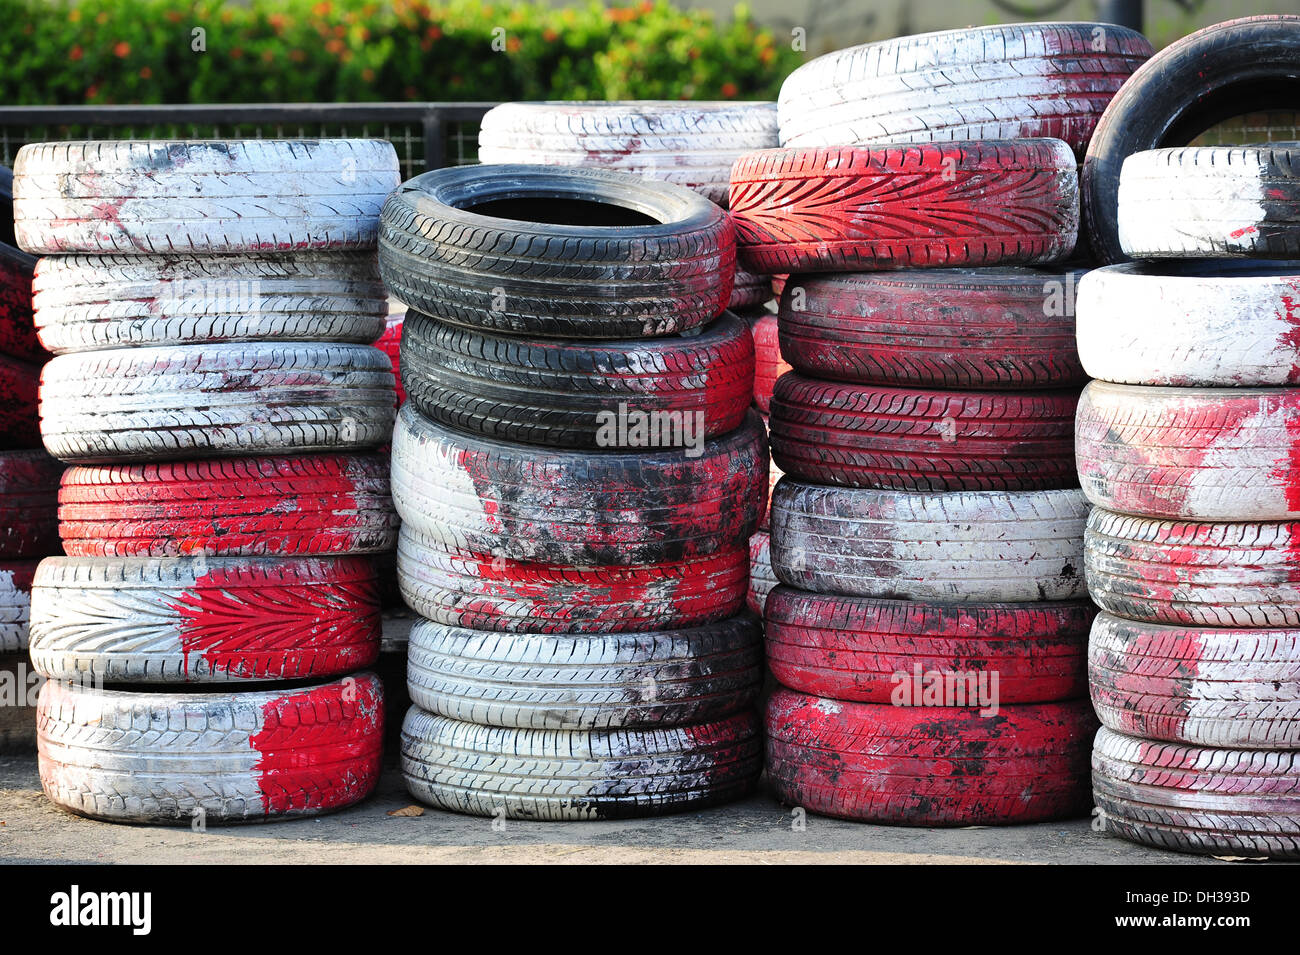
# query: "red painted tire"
{"type": "Point", "coordinates": [482, 592]}
{"type": "Point", "coordinates": [848, 209]}
{"type": "Point", "coordinates": [15, 603]}
{"type": "Point", "coordinates": [761, 578]}
{"type": "Point", "coordinates": [17, 326]}
{"type": "Point", "coordinates": [271, 506]}
{"type": "Point", "coordinates": [20, 384]}
{"type": "Point", "coordinates": [768, 363]}
{"type": "Point", "coordinates": [946, 328]}
{"type": "Point", "coordinates": [855, 648]}
{"type": "Point", "coordinates": [29, 489]}
{"type": "Point", "coordinates": [914, 440]}
{"type": "Point", "coordinates": [390, 343]}
{"type": "Point", "coordinates": [930, 766]}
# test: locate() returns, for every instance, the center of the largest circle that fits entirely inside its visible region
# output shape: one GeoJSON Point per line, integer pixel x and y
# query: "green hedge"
{"type": "Point", "coordinates": [140, 51]}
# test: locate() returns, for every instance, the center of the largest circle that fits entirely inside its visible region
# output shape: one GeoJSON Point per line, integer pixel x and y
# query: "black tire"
{"type": "Point", "coordinates": [554, 393]}
{"type": "Point", "coordinates": [7, 206]}
{"type": "Point", "coordinates": [1246, 65]}
{"type": "Point", "coordinates": [465, 245]}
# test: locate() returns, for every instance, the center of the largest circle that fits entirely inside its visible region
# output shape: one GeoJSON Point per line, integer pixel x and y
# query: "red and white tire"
{"type": "Point", "coordinates": [768, 363]}
{"type": "Point", "coordinates": [1237, 688]}
{"type": "Point", "coordinates": [1195, 799]}
{"type": "Point", "coordinates": [20, 384]}
{"type": "Point", "coordinates": [226, 507]}
{"type": "Point", "coordinates": [390, 343]}
{"type": "Point", "coordinates": [200, 620]}
{"type": "Point", "coordinates": [15, 603]}
{"type": "Point", "coordinates": [1003, 328]}
{"type": "Point", "coordinates": [29, 497]}
{"type": "Point", "coordinates": [911, 439]}
{"type": "Point", "coordinates": [928, 765]}
{"type": "Point", "coordinates": [254, 756]}
{"type": "Point", "coordinates": [852, 209]}
{"type": "Point", "coordinates": [1223, 574]}
{"type": "Point", "coordinates": [1012, 81]}
{"type": "Point", "coordinates": [854, 648]}
{"type": "Point", "coordinates": [17, 332]}
{"type": "Point", "coordinates": [761, 578]}
{"type": "Point", "coordinates": [1215, 454]}
{"type": "Point", "coordinates": [482, 592]}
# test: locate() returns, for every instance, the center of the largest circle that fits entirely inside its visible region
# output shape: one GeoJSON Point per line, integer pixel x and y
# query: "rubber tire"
{"type": "Point", "coordinates": [1192, 799]}
{"type": "Point", "coordinates": [1222, 71]}
{"type": "Point", "coordinates": [1204, 324]}
{"type": "Point", "coordinates": [1206, 686]}
{"type": "Point", "coordinates": [481, 592]}
{"type": "Point", "coordinates": [553, 775]}
{"type": "Point", "coordinates": [1194, 453]}
{"type": "Point", "coordinates": [146, 620]}
{"type": "Point", "coordinates": [1237, 574]}
{"type": "Point", "coordinates": [94, 302]}
{"type": "Point", "coordinates": [173, 196]}
{"type": "Point", "coordinates": [860, 649]}
{"type": "Point", "coordinates": [603, 681]}
{"type": "Point", "coordinates": [18, 720]}
{"type": "Point", "coordinates": [846, 209]}
{"type": "Point", "coordinates": [761, 578]}
{"type": "Point", "coordinates": [929, 765]}
{"type": "Point", "coordinates": [555, 393]}
{"type": "Point", "coordinates": [691, 144]}
{"type": "Point", "coordinates": [1011, 81]}
{"type": "Point", "coordinates": [29, 492]}
{"type": "Point", "coordinates": [188, 401]}
{"type": "Point", "coordinates": [390, 343]}
{"type": "Point", "coordinates": [250, 756]}
{"type": "Point", "coordinates": [15, 604]}
{"type": "Point", "coordinates": [20, 384]}
{"type": "Point", "coordinates": [769, 365]}
{"type": "Point", "coordinates": [583, 508]}
{"type": "Point", "coordinates": [904, 545]}
{"type": "Point", "coordinates": [229, 507]}
{"type": "Point", "coordinates": [749, 290]}
{"type": "Point", "coordinates": [995, 328]}
{"type": "Point", "coordinates": [920, 440]}
{"type": "Point", "coordinates": [556, 281]}
{"type": "Point", "coordinates": [17, 331]}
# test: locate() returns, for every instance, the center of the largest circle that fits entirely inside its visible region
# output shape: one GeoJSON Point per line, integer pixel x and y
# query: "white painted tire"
{"type": "Point", "coordinates": [1211, 202]}
{"type": "Point", "coordinates": [158, 196]}
{"type": "Point", "coordinates": [1216, 454]}
{"type": "Point", "coordinates": [556, 775]}
{"type": "Point", "coordinates": [599, 681]}
{"type": "Point", "coordinates": [1000, 82]}
{"type": "Point", "coordinates": [909, 545]}
{"type": "Point", "coordinates": [761, 578]}
{"type": "Point", "coordinates": [1203, 324]}
{"type": "Point", "coordinates": [692, 144]}
{"type": "Point", "coordinates": [93, 302]}
{"type": "Point", "coordinates": [199, 400]}
{"type": "Point", "coordinates": [15, 603]}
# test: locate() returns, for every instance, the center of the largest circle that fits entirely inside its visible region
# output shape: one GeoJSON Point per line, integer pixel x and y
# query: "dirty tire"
{"type": "Point", "coordinates": [750, 291]}
{"type": "Point", "coordinates": [905, 545]}
{"type": "Point", "coordinates": [846, 209]}
{"type": "Point", "coordinates": [565, 394]}
{"type": "Point", "coordinates": [253, 756]}
{"type": "Point", "coordinates": [228, 507]}
{"type": "Point", "coordinates": [390, 343]}
{"type": "Point", "coordinates": [860, 649]}
{"type": "Point", "coordinates": [1194, 799]}
{"type": "Point", "coordinates": [930, 765]}
{"type": "Point", "coordinates": [15, 604]}
{"type": "Point", "coordinates": [997, 328]}
{"type": "Point", "coordinates": [577, 507]}
{"type": "Point", "coordinates": [666, 269]}
{"type": "Point", "coordinates": [761, 578]}
{"type": "Point", "coordinates": [1014, 81]}
{"type": "Point", "coordinates": [200, 620]}
{"type": "Point", "coordinates": [94, 302]}
{"type": "Point", "coordinates": [162, 197]}
{"type": "Point", "coordinates": [910, 439]}
{"type": "Point", "coordinates": [188, 401]}
{"type": "Point", "coordinates": [1206, 324]}
{"type": "Point", "coordinates": [29, 500]}
{"type": "Point", "coordinates": [552, 775]}
{"type": "Point", "coordinates": [768, 363]}
{"type": "Point", "coordinates": [1240, 66]}
{"type": "Point", "coordinates": [1237, 574]}
{"type": "Point", "coordinates": [17, 722]}
{"type": "Point", "coordinates": [1217, 454]}
{"type": "Point", "coordinates": [604, 681]}
{"type": "Point", "coordinates": [482, 592]}
{"type": "Point", "coordinates": [20, 384]}
{"type": "Point", "coordinates": [1237, 688]}
{"type": "Point", "coordinates": [691, 144]}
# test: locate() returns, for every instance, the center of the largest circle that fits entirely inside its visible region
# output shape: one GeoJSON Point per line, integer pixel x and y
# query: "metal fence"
{"type": "Point", "coordinates": [425, 135]}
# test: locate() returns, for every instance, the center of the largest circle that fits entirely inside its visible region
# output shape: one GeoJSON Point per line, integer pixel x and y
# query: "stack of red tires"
{"type": "Point", "coordinates": [928, 628]}
{"type": "Point", "coordinates": [577, 472]}
{"type": "Point", "coordinates": [209, 306]}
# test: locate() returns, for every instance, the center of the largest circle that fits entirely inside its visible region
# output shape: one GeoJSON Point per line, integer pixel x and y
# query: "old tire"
{"type": "Point", "coordinates": [29, 495]}
{"type": "Point", "coordinates": [769, 365]}
{"type": "Point", "coordinates": [761, 578]}
{"type": "Point", "coordinates": [15, 604]}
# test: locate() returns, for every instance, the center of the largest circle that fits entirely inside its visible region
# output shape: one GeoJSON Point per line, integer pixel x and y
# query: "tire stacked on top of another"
{"type": "Point", "coordinates": [1187, 445]}
{"type": "Point", "coordinates": [577, 474]}
{"type": "Point", "coordinates": [210, 306]}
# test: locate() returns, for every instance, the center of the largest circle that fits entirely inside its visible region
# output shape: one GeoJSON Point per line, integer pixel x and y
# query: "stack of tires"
{"type": "Point", "coordinates": [209, 305]}
{"type": "Point", "coordinates": [927, 628]}
{"type": "Point", "coordinates": [1188, 446]}
{"type": "Point", "coordinates": [583, 650]}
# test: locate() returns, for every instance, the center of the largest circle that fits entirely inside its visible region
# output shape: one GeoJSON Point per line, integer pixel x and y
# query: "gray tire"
{"type": "Point", "coordinates": [15, 603]}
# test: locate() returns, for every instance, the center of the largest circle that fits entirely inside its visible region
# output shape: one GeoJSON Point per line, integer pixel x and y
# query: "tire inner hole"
{"type": "Point", "coordinates": [582, 212]}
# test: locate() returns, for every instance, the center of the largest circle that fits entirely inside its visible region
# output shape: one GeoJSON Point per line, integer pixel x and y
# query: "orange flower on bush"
{"type": "Point", "coordinates": [75, 53]}
{"type": "Point", "coordinates": [549, 35]}
{"type": "Point", "coordinates": [146, 73]}
{"type": "Point", "coordinates": [513, 44]}
{"type": "Point", "coordinates": [334, 46]}
{"type": "Point", "coordinates": [297, 56]}
{"type": "Point", "coordinates": [321, 9]}
{"type": "Point", "coordinates": [368, 75]}
{"type": "Point", "coordinates": [729, 90]}
{"type": "Point", "coordinates": [121, 49]}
